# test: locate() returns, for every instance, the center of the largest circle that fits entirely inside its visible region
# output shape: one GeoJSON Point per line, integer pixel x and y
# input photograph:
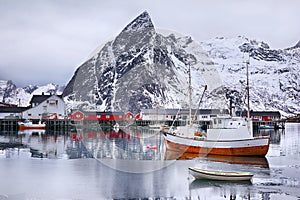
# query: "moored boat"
{"type": "Point", "coordinates": [220, 175]}
{"type": "Point", "coordinates": [227, 136]}
{"type": "Point", "coordinates": [29, 125]}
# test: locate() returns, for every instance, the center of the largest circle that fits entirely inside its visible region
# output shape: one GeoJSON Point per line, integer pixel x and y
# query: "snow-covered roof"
{"type": "Point", "coordinates": [41, 98]}
{"type": "Point", "coordinates": [12, 109]}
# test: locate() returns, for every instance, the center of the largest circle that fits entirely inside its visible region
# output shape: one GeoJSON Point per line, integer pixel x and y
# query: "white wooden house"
{"type": "Point", "coordinates": [43, 106]}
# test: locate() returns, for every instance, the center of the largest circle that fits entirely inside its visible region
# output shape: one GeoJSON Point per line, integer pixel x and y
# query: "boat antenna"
{"type": "Point", "coordinates": [205, 88]}
{"type": "Point", "coordinates": [190, 95]}
{"type": "Point", "coordinates": [247, 88]}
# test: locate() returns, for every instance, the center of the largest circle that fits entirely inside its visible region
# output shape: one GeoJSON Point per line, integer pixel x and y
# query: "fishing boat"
{"type": "Point", "coordinates": [29, 125]}
{"type": "Point", "coordinates": [220, 175]}
{"type": "Point", "coordinates": [227, 135]}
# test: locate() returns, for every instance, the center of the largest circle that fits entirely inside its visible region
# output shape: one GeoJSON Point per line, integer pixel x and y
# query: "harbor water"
{"type": "Point", "coordinates": [132, 163]}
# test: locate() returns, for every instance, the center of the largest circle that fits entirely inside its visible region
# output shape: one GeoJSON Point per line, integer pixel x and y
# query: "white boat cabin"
{"type": "Point", "coordinates": [230, 128]}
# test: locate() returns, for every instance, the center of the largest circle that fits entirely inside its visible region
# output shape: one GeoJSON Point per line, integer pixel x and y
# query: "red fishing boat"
{"type": "Point", "coordinates": [29, 125]}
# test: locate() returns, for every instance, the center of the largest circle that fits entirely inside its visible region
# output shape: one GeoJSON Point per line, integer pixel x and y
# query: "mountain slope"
{"type": "Point", "coordinates": [139, 69]}
{"type": "Point", "coordinates": [142, 68]}
{"type": "Point", "coordinates": [274, 74]}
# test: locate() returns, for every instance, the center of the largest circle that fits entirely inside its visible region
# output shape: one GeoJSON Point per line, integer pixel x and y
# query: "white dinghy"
{"type": "Point", "coordinates": [220, 175]}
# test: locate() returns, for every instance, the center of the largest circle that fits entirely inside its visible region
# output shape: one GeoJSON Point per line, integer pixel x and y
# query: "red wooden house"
{"type": "Point", "coordinates": [261, 115]}
{"type": "Point", "coordinates": [101, 116]}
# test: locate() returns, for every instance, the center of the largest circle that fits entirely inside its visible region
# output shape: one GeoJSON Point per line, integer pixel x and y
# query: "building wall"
{"type": "Point", "coordinates": [53, 104]}
{"type": "Point", "coordinates": [10, 115]}
{"type": "Point", "coordinates": [171, 117]}
{"type": "Point", "coordinates": [77, 115]}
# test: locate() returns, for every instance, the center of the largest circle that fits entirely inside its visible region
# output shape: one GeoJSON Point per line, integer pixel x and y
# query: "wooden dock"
{"type": "Point", "coordinates": [67, 124]}
{"type": "Point", "coordinates": [9, 124]}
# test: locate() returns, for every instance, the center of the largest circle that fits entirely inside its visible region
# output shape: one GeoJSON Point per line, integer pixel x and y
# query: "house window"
{"type": "Point", "coordinates": [98, 116]}
{"type": "Point", "coordinates": [29, 114]}
{"type": "Point", "coordinates": [52, 101]}
{"type": "Point", "coordinates": [107, 116]}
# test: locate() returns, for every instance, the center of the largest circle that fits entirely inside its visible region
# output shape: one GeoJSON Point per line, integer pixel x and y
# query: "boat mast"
{"type": "Point", "coordinates": [248, 93]}
{"type": "Point", "coordinates": [190, 95]}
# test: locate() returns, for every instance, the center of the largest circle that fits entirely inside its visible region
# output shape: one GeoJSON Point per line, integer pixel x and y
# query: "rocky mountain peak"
{"type": "Point", "coordinates": [142, 68]}
{"type": "Point", "coordinates": [135, 35]}
{"type": "Point", "coordinates": [261, 51]}
{"type": "Point", "coordinates": [141, 22]}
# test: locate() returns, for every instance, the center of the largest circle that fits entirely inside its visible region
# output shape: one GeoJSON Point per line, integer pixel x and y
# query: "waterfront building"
{"type": "Point", "coordinates": [266, 116]}
{"type": "Point", "coordinates": [79, 115]}
{"type": "Point", "coordinates": [45, 106]}
{"type": "Point", "coordinates": [180, 114]}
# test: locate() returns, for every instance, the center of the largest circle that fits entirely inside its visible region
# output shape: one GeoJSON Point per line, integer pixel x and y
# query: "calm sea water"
{"type": "Point", "coordinates": [133, 164]}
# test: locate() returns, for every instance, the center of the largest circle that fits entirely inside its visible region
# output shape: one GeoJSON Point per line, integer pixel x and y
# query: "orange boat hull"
{"type": "Point", "coordinates": [259, 151]}
{"type": "Point", "coordinates": [21, 127]}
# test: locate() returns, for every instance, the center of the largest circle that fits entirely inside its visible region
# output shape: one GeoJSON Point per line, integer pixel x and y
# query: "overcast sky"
{"type": "Point", "coordinates": [45, 41]}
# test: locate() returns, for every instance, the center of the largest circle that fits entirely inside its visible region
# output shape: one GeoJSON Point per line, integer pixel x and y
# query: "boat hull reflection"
{"type": "Point", "coordinates": [242, 160]}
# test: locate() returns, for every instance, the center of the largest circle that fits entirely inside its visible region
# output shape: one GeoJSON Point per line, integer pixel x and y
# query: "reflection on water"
{"type": "Point", "coordinates": [224, 189]}
{"type": "Point", "coordinates": [62, 166]}
{"type": "Point", "coordinates": [129, 144]}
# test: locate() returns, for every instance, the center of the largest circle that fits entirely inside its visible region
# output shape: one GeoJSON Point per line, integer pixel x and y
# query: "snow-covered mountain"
{"type": "Point", "coordinates": [274, 74]}
{"type": "Point", "coordinates": [144, 68]}
{"type": "Point", "coordinates": [11, 94]}
{"type": "Point", "coordinates": [140, 68]}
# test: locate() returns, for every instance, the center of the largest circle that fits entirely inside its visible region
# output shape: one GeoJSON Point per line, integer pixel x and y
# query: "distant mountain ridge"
{"type": "Point", "coordinates": [144, 68]}
{"type": "Point", "coordinates": [11, 94]}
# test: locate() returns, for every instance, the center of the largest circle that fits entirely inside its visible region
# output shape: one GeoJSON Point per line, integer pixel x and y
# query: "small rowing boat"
{"type": "Point", "coordinates": [220, 175]}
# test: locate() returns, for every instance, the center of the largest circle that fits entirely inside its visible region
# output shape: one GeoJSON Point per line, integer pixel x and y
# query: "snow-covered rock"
{"type": "Point", "coordinates": [143, 68]}
{"type": "Point", "coordinates": [9, 93]}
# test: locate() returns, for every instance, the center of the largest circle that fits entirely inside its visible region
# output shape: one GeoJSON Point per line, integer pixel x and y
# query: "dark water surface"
{"type": "Point", "coordinates": [133, 163]}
